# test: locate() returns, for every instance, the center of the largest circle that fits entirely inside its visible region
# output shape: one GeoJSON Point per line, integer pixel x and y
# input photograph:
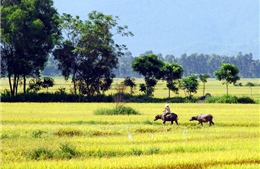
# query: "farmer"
{"type": "Point", "coordinates": [166, 110]}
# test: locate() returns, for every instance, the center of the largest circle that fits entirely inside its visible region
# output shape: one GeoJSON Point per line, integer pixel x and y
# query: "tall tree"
{"type": "Point", "coordinates": [67, 59]}
{"type": "Point", "coordinates": [149, 66]}
{"type": "Point", "coordinates": [171, 73]}
{"type": "Point", "coordinates": [94, 54]}
{"type": "Point", "coordinates": [29, 30]}
{"type": "Point", "coordinates": [203, 79]}
{"type": "Point", "coordinates": [190, 84]}
{"type": "Point", "coordinates": [228, 73]}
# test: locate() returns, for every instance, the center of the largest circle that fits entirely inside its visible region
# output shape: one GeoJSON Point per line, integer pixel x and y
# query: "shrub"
{"type": "Point", "coordinates": [56, 97]}
{"type": "Point", "coordinates": [250, 84]}
{"type": "Point", "coordinates": [222, 99]}
{"type": "Point", "coordinates": [245, 100]}
{"type": "Point", "coordinates": [41, 154]}
{"type": "Point", "coordinates": [212, 99]}
{"type": "Point", "coordinates": [227, 99]}
{"type": "Point", "coordinates": [6, 93]}
{"type": "Point", "coordinates": [68, 151]}
{"type": "Point", "coordinates": [119, 110]}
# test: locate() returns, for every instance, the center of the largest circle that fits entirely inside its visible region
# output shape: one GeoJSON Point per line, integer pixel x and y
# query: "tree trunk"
{"type": "Point", "coordinates": [24, 84]}
{"type": "Point", "coordinates": [74, 83]}
{"type": "Point", "coordinates": [203, 89]}
{"type": "Point", "coordinates": [227, 88]}
{"type": "Point", "coordinates": [16, 84]}
{"type": "Point", "coordinates": [10, 84]}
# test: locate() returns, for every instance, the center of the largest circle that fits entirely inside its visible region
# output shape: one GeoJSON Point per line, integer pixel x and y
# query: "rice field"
{"type": "Point", "coordinates": [69, 135]}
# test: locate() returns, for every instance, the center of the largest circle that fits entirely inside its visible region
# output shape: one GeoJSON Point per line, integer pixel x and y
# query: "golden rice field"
{"type": "Point", "coordinates": [69, 135]}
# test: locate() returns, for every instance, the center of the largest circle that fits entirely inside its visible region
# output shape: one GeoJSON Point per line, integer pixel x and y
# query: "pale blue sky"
{"type": "Point", "coordinates": [223, 27]}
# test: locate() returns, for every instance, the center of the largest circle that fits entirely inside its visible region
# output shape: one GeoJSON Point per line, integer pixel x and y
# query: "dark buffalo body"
{"type": "Point", "coordinates": [203, 118]}
{"type": "Point", "coordinates": [169, 117]}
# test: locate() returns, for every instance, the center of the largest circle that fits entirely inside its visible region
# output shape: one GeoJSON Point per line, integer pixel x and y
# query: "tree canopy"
{"type": "Point", "coordinates": [170, 73]}
{"type": "Point", "coordinates": [228, 73]}
{"type": "Point", "coordinates": [29, 31]}
{"type": "Point", "coordinates": [190, 84]}
{"type": "Point", "coordinates": [150, 67]}
{"type": "Point", "coordinates": [89, 53]}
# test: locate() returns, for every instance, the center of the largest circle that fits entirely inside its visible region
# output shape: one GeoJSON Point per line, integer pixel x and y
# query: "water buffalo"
{"type": "Point", "coordinates": [169, 117]}
{"type": "Point", "coordinates": [203, 118]}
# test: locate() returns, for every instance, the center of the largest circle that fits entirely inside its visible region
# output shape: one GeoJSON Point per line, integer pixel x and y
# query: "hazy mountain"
{"type": "Point", "coordinates": [224, 27]}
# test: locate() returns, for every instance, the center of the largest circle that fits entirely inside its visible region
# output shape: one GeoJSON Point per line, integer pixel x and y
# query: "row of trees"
{"type": "Point", "coordinates": [193, 63]}
{"type": "Point", "coordinates": [153, 69]}
{"type": "Point", "coordinates": [197, 64]}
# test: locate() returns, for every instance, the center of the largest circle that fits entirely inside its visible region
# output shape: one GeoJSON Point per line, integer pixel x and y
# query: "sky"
{"type": "Point", "coordinates": [223, 27]}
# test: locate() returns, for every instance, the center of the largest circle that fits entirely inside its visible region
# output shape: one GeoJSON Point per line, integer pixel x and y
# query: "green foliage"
{"type": "Point", "coordinates": [6, 93]}
{"type": "Point", "coordinates": [190, 84]}
{"type": "Point", "coordinates": [222, 99]}
{"type": "Point", "coordinates": [250, 84]}
{"type": "Point", "coordinates": [149, 66]}
{"type": "Point", "coordinates": [170, 73]}
{"type": "Point", "coordinates": [36, 84]}
{"type": "Point", "coordinates": [68, 152]}
{"type": "Point", "coordinates": [92, 52]}
{"type": "Point", "coordinates": [229, 99]}
{"type": "Point", "coordinates": [198, 64]}
{"type": "Point", "coordinates": [245, 100]}
{"type": "Point", "coordinates": [29, 31]}
{"type": "Point", "coordinates": [228, 73]}
{"type": "Point", "coordinates": [56, 97]}
{"type": "Point", "coordinates": [61, 91]}
{"type": "Point", "coordinates": [131, 83]}
{"type": "Point", "coordinates": [119, 110]}
{"type": "Point", "coordinates": [41, 154]}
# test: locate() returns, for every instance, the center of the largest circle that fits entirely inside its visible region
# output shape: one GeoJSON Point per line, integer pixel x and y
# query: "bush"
{"type": "Point", "coordinates": [222, 99]}
{"type": "Point", "coordinates": [245, 100]}
{"type": "Point", "coordinates": [119, 110]}
{"type": "Point", "coordinates": [211, 99]}
{"type": "Point", "coordinates": [229, 99]}
{"type": "Point", "coordinates": [41, 154]}
{"type": "Point", "coordinates": [250, 84]}
{"type": "Point", "coordinates": [58, 97]}
{"type": "Point", "coordinates": [68, 151]}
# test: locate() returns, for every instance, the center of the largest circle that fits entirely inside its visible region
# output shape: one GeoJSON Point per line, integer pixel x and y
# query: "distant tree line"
{"type": "Point", "coordinates": [193, 63]}
{"type": "Point", "coordinates": [197, 64]}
